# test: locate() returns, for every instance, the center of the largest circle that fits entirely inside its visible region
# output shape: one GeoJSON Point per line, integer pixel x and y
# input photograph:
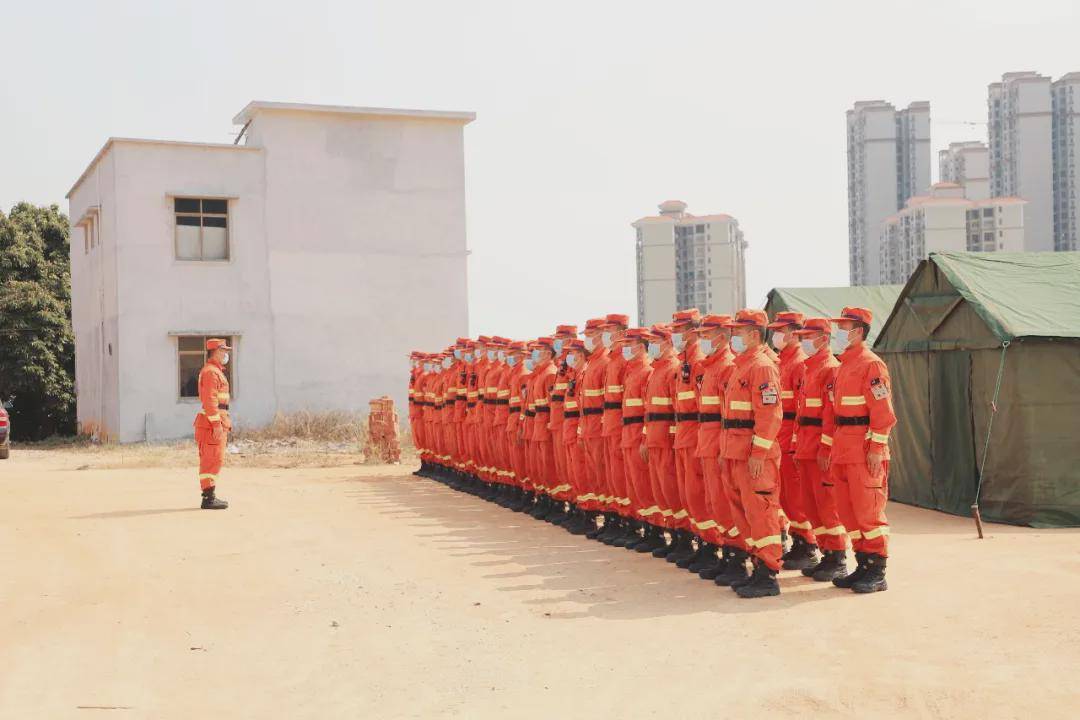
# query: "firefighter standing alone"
{"type": "Point", "coordinates": [212, 424]}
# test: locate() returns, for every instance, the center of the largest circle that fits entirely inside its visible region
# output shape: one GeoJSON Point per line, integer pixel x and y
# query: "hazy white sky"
{"type": "Point", "coordinates": [589, 113]}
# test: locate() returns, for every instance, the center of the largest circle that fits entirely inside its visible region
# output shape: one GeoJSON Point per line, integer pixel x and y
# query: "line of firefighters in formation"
{"type": "Point", "coordinates": [693, 440]}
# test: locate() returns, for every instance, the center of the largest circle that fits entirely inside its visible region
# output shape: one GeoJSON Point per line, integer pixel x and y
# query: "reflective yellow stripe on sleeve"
{"type": "Point", "coordinates": [852, 400]}
{"type": "Point", "coordinates": [614, 389]}
{"type": "Point", "coordinates": [594, 393]}
{"type": "Point", "coordinates": [879, 438]}
{"type": "Point", "coordinates": [787, 394]}
{"type": "Point", "coordinates": [213, 418]}
{"type": "Point", "coordinates": [661, 401]}
{"type": "Point", "coordinates": [686, 395]}
{"type": "Point", "coordinates": [762, 442]}
{"type": "Point", "coordinates": [741, 405]}
{"type": "Point", "coordinates": [876, 532]}
{"type": "Point", "coordinates": [709, 400]}
{"type": "Point", "coordinates": [812, 402]}
{"type": "Point", "coordinates": [826, 440]}
{"type": "Point", "coordinates": [634, 402]}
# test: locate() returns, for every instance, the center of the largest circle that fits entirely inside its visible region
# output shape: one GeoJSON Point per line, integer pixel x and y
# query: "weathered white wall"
{"type": "Point", "coordinates": [365, 221]}
{"type": "Point", "coordinates": [160, 296]}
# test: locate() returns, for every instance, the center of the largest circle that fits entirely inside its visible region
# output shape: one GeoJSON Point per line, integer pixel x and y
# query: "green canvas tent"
{"type": "Point", "coordinates": [973, 332]}
{"type": "Point", "coordinates": [829, 301]}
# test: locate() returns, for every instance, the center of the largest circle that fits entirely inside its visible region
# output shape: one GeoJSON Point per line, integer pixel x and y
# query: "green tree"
{"type": "Point", "coordinates": [37, 349]}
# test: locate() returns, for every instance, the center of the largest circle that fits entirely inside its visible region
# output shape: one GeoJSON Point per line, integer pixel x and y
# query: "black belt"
{"type": "Point", "coordinates": [815, 422]}
{"type": "Point", "coordinates": [530, 413]}
{"type": "Point", "coordinates": [613, 406]}
{"type": "Point", "coordinates": [223, 407]}
{"type": "Point", "coordinates": [592, 411]}
{"type": "Point", "coordinates": [659, 417]}
{"type": "Point", "coordinates": [558, 398]}
{"type": "Point", "coordinates": [488, 401]}
{"type": "Point", "coordinates": [710, 417]}
{"type": "Point", "coordinates": [515, 408]}
{"type": "Point", "coordinates": [472, 404]}
{"type": "Point", "coordinates": [857, 420]}
{"type": "Point", "coordinates": [460, 399]}
{"type": "Point", "coordinates": [789, 416]}
{"type": "Point", "coordinates": [741, 424]}
{"type": "Point", "coordinates": [686, 417]}
{"type": "Point", "coordinates": [571, 414]}
{"type": "Point", "coordinates": [633, 420]}
{"type": "Point", "coordinates": [543, 409]}
{"type": "Point", "coordinates": [502, 401]}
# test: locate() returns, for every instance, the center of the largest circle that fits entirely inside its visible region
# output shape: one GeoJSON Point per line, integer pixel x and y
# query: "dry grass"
{"type": "Point", "coordinates": [335, 427]}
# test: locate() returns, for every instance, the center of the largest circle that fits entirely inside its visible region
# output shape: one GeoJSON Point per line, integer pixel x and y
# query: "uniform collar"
{"type": "Point", "coordinates": [788, 351]}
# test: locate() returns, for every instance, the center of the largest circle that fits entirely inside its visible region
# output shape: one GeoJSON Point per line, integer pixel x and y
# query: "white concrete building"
{"type": "Point", "coordinates": [968, 165]}
{"type": "Point", "coordinates": [327, 246]}
{"type": "Point", "coordinates": [888, 154]}
{"type": "Point", "coordinates": [1021, 156]}
{"type": "Point", "coordinates": [1066, 148]}
{"type": "Point", "coordinates": [944, 220]}
{"type": "Point", "coordinates": [686, 261]}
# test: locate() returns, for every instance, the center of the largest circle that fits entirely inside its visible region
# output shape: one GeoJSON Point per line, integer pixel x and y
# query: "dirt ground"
{"type": "Point", "coordinates": [364, 592]}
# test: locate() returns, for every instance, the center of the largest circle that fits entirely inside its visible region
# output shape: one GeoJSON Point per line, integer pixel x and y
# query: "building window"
{"type": "Point", "coordinates": [191, 356]}
{"type": "Point", "coordinates": [988, 212]}
{"type": "Point", "coordinates": [202, 229]}
{"type": "Point", "coordinates": [90, 236]}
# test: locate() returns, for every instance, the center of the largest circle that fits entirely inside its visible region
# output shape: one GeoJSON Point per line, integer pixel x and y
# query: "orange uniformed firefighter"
{"type": "Point", "coordinates": [713, 528]}
{"type": "Point", "coordinates": [819, 500]}
{"type": "Point", "coordinates": [635, 382]}
{"type": "Point", "coordinates": [590, 428]}
{"type": "Point", "coordinates": [557, 402]}
{"type": "Point", "coordinates": [859, 417]}
{"type": "Point", "coordinates": [659, 448]}
{"type": "Point", "coordinates": [212, 424]}
{"type": "Point", "coordinates": [752, 420]}
{"type": "Point", "coordinates": [804, 548]}
{"type": "Point", "coordinates": [618, 528]}
{"type": "Point", "coordinates": [684, 325]}
{"type": "Point", "coordinates": [581, 522]}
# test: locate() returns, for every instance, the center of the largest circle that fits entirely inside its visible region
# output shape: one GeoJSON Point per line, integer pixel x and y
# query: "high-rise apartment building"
{"type": "Point", "coordinates": [1065, 136]}
{"type": "Point", "coordinates": [888, 162]}
{"type": "Point", "coordinates": [1021, 150]}
{"type": "Point", "coordinates": [968, 165]}
{"type": "Point", "coordinates": [686, 261]}
{"type": "Point", "coordinates": [944, 220]}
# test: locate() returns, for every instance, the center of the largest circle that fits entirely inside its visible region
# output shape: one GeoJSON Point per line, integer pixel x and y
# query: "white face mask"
{"type": "Point", "coordinates": [778, 340]}
{"type": "Point", "coordinates": [706, 346]}
{"type": "Point", "coordinates": [457, 353]}
{"type": "Point", "coordinates": [808, 347]}
{"type": "Point", "coordinates": [627, 352]}
{"type": "Point", "coordinates": [591, 342]}
{"type": "Point", "coordinates": [738, 344]}
{"type": "Point", "coordinates": [654, 351]}
{"type": "Point", "coordinates": [491, 354]}
{"type": "Point", "coordinates": [225, 359]}
{"type": "Point", "coordinates": [446, 363]}
{"type": "Point", "coordinates": [558, 345]}
{"type": "Point", "coordinates": [607, 339]}
{"type": "Point", "coordinates": [529, 364]}
{"type": "Point", "coordinates": [468, 357]}
{"type": "Point", "coordinates": [842, 337]}
{"type": "Point", "coordinates": [502, 355]}
{"type": "Point", "coordinates": [511, 361]}
{"type": "Point", "coordinates": [571, 360]}
{"type": "Point", "coordinates": [678, 342]}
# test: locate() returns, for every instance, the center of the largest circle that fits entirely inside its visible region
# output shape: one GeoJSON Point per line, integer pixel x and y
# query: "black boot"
{"type": "Point", "coordinates": [717, 567]}
{"type": "Point", "coordinates": [874, 579]}
{"type": "Point", "coordinates": [703, 558]}
{"type": "Point", "coordinates": [832, 566]}
{"type": "Point", "coordinates": [736, 568]}
{"type": "Point", "coordinates": [802, 555]}
{"type": "Point", "coordinates": [762, 583]}
{"type": "Point", "coordinates": [596, 529]}
{"type": "Point", "coordinates": [611, 529]}
{"type": "Point", "coordinates": [694, 556]}
{"type": "Point", "coordinates": [578, 524]}
{"type": "Point", "coordinates": [541, 507]}
{"type": "Point", "coordinates": [652, 539]}
{"type": "Point", "coordinates": [633, 530]}
{"type": "Point", "coordinates": [847, 581]}
{"type": "Point", "coordinates": [557, 516]}
{"type": "Point", "coordinates": [212, 502]}
{"type": "Point", "coordinates": [667, 548]}
{"type": "Point", "coordinates": [684, 548]}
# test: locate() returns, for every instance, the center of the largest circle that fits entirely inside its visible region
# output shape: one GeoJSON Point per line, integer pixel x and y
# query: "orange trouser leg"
{"type": "Point", "coordinates": [861, 499]}
{"type": "Point", "coordinates": [664, 484]}
{"type": "Point", "coordinates": [760, 502]}
{"type": "Point", "coordinates": [558, 454]}
{"type": "Point", "coordinates": [517, 454]}
{"type": "Point", "coordinates": [717, 510]}
{"type": "Point", "coordinates": [828, 528]}
{"type": "Point", "coordinates": [545, 460]}
{"type": "Point", "coordinates": [578, 464]}
{"type": "Point", "coordinates": [739, 519]}
{"type": "Point", "coordinates": [637, 472]}
{"type": "Point", "coordinates": [616, 474]}
{"type": "Point", "coordinates": [596, 453]}
{"type": "Point", "coordinates": [693, 488]}
{"type": "Point", "coordinates": [793, 499]}
{"type": "Point", "coordinates": [211, 456]}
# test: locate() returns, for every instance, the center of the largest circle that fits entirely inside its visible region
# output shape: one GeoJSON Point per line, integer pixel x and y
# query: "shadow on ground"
{"type": "Point", "coordinates": [563, 575]}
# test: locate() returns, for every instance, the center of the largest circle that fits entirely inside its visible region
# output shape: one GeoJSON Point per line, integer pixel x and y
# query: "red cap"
{"type": "Point", "coordinates": [575, 344]}
{"type": "Point", "coordinates": [815, 325]}
{"type": "Point", "coordinates": [217, 344]}
{"type": "Point", "coordinates": [483, 339]}
{"type": "Point", "coordinates": [617, 319]}
{"type": "Point", "coordinates": [686, 317]}
{"type": "Point", "coordinates": [783, 319]}
{"type": "Point", "coordinates": [595, 323]}
{"type": "Point", "coordinates": [660, 332]}
{"type": "Point", "coordinates": [500, 341]}
{"type": "Point", "coordinates": [749, 316]}
{"type": "Point", "coordinates": [547, 342]}
{"type": "Point", "coordinates": [714, 321]}
{"type": "Point", "coordinates": [463, 341]}
{"type": "Point", "coordinates": [638, 334]}
{"type": "Point", "coordinates": [517, 346]}
{"type": "Point", "coordinates": [856, 314]}
{"type": "Point", "coordinates": [566, 330]}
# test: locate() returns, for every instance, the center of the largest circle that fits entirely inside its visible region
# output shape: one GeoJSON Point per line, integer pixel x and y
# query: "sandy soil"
{"type": "Point", "coordinates": [363, 592]}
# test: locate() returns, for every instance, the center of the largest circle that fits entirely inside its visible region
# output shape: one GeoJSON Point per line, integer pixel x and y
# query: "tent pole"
{"type": "Point", "coordinates": [986, 445]}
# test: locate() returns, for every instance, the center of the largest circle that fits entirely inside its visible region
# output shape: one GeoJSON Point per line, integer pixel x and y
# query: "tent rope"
{"type": "Point", "coordinates": [990, 424]}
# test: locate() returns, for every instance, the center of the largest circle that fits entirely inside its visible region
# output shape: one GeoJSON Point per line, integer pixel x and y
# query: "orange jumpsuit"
{"type": "Point", "coordinates": [572, 445]}
{"type": "Point", "coordinates": [859, 416]}
{"type": "Point", "coordinates": [557, 403]}
{"type": "Point", "coordinates": [792, 358]}
{"type": "Point", "coordinates": [752, 420]}
{"type": "Point", "coordinates": [590, 428]}
{"type": "Point", "coordinates": [543, 380]}
{"type": "Point", "coordinates": [659, 438]}
{"type": "Point", "coordinates": [635, 381]}
{"type": "Point", "coordinates": [416, 409]}
{"type": "Point", "coordinates": [717, 523]}
{"type": "Point", "coordinates": [474, 418]}
{"type": "Point", "coordinates": [212, 424]}
{"type": "Point", "coordinates": [611, 423]}
{"type": "Point", "coordinates": [498, 429]}
{"type": "Point", "coordinates": [488, 421]}
{"type": "Point", "coordinates": [455, 401]}
{"type": "Point", "coordinates": [817, 378]}
{"type": "Point", "coordinates": [515, 449]}
{"type": "Point", "coordinates": [444, 417]}
{"type": "Point", "coordinates": [687, 465]}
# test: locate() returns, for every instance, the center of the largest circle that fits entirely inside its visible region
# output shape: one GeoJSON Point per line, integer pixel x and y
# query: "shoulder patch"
{"type": "Point", "coordinates": [769, 396]}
